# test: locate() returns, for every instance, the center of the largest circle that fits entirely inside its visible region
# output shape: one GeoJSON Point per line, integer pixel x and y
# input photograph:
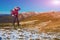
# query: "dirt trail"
{"type": "Point", "coordinates": [28, 22]}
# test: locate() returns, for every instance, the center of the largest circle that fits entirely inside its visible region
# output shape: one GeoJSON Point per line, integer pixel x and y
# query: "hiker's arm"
{"type": "Point", "coordinates": [12, 13]}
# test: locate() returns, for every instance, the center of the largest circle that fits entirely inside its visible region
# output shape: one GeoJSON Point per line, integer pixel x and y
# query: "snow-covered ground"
{"type": "Point", "coordinates": [23, 34]}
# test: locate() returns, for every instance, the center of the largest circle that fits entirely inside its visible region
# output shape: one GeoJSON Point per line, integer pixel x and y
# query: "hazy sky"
{"type": "Point", "coordinates": [28, 5]}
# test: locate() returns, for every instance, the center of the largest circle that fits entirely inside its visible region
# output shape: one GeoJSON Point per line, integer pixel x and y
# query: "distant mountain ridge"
{"type": "Point", "coordinates": [44, 16]}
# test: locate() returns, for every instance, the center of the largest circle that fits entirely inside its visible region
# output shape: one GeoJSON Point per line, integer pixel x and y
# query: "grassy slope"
{"type": "Point", "coordinates": [53, 26]}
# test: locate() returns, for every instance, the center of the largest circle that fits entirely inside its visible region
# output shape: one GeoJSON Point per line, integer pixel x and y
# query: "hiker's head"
{"type": "Point", "coordinates": [17, 8]}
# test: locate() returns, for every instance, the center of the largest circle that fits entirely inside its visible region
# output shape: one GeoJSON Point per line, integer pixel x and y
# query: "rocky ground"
{"type": "Point", "coordinates": [24, 34]}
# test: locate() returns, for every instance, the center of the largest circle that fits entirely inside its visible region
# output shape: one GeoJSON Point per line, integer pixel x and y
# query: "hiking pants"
{"type": "Point", "coordinates": [15, 19]}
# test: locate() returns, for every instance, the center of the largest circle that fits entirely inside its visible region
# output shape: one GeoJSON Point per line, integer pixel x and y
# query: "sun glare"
{"type": "Point", "coordinates": [56, 2]}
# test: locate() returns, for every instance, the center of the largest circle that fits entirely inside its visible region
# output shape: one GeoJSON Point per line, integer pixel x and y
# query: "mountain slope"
{"type": "Point", "coordinates": [46, 22]}
{"type": "Point", "coordinates": [44, 17]}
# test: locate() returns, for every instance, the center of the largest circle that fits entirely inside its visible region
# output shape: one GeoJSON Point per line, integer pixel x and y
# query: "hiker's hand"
{"type": "Point", "coordinates": [12, 15]}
